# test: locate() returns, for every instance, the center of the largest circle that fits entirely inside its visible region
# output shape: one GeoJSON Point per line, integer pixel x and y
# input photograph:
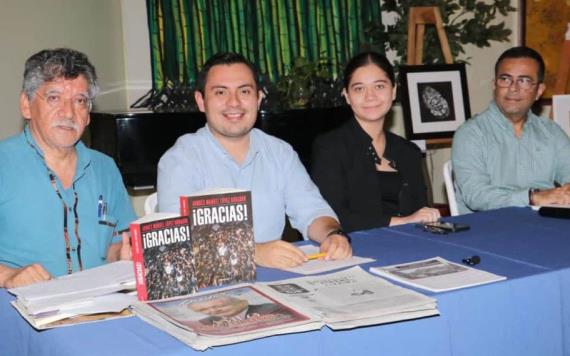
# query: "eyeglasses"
{"type": "Point", "coordinates": [524, 83]}
{"type": "Point", "coordinates": [56, 101]}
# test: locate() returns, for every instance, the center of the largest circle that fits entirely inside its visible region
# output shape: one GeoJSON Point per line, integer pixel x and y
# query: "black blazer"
{"type": "Point", "coordinates": [346, 175]}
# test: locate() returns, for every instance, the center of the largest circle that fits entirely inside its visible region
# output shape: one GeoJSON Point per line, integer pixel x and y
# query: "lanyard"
{"type": "Point", "coordinates": [65, 211]}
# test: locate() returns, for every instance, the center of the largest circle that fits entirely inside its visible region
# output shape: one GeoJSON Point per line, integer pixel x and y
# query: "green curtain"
{"type": "Point", "coordinates": [270, 33]}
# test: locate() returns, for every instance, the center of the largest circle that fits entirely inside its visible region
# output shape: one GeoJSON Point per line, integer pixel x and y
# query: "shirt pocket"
{"type": "Point", "coordinates": [541, 165]}
{"type": "Point", "coordinates": [106, 231]}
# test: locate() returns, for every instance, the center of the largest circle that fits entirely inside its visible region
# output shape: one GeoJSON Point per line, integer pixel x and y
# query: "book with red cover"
{"type": "Point", "coordinates": [222, 236]}
{"type": "Point", "coordinates": [162, 256]}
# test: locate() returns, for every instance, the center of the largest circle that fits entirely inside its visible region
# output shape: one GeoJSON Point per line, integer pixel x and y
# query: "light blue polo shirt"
{"type": "Point", "coordinates": [272, 171]}
{"type": "Point", "coordinates": [31, 213]}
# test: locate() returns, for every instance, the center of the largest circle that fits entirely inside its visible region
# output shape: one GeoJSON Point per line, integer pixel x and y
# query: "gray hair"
{"type": "Point", "coordinates": [51, 64]}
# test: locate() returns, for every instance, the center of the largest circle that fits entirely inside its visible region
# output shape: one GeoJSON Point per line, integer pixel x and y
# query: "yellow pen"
{"type": "Point", "coordinates": [314, 256]}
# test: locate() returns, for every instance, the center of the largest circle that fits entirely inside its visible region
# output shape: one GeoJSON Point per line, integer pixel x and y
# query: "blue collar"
{"type": "Point", "coordinates": [252, 152]}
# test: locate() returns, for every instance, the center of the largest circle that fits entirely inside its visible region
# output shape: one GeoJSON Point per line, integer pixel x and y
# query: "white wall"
{"type": "Point", "coordinates": [137, 49]}
{"type": "Point", "coordinates": [112, 33]}
{"type": "Point", "coordinates": [90, 26]}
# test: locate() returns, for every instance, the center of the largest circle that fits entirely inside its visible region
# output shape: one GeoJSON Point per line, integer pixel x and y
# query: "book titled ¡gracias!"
{"type": "Point", "coordinates": [222, 236]}
{"type": "Point", "coordinates": [162, 256]}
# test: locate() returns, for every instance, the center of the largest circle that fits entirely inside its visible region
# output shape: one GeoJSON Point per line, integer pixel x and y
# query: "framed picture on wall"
{"type": "Point", "coordinates": [435, 100]}
{"type": "Point", "coordinates": [543, 25]}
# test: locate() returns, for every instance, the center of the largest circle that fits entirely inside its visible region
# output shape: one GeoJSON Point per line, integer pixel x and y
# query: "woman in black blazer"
{"type": "Point", "coordinates": [370, 177]}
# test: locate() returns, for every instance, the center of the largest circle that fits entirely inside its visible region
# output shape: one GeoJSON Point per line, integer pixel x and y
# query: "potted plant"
{"type": "Point", "coordinates": [298, 85]}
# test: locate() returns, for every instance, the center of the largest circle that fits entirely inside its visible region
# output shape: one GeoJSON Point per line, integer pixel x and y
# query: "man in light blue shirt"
{"type": "Point", "coordinates": [230, 153]}
{"type": "Point", "coordinates": [62, 205]}
{"type": "Point", "coordinates": [507, 156]}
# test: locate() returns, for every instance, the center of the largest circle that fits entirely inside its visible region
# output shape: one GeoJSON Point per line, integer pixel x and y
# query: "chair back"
{"type": "Point", "coordinates": [151, 204]}
{"type": "Point", "coordinates": [449, 188]}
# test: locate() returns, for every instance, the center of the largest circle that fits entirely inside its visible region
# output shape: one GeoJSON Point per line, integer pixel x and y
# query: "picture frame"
{"type": "Point", "coordinates": [543, 25]}
{"type": "Point", "coordinates": [434, 98]}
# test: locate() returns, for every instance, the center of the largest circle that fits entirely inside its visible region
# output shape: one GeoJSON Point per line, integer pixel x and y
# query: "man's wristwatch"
{"type": "Point", "coordinates": [341, 233]}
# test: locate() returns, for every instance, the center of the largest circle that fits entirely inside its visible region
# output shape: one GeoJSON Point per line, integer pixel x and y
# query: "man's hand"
{"type": "Point", "coordinates": [18, 277]}
{"type": "Point", "coordinates": [120, 250]}
{"type": "Point", "coordinates": [125, 253]}
{"type": "Point", "coordinates": [560, 195]}
{"type": "Point", "coordinates": [336, 247]}
{"type": "Point", "coordinates": [278, 254]}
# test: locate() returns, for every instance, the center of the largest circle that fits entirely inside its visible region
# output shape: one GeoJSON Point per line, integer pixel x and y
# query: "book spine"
{"type": "Point", "coordinates": [138, 261]}
{"type": "Point", "coordinates": [184, 209]}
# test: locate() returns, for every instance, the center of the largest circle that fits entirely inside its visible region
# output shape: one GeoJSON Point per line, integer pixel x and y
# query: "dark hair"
{"type": "Point", "coordinates": [365, 58]}
{"type": "Point", "coordinates": [226, 58]}
{"type": "Point", "coordinates": [50, 64]}
{"type": "Point", "coordinates": [523, 52]}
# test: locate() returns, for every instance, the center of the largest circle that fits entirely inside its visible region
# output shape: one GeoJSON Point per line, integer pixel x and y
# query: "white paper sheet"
{"type": "Point", "coordinates": [318, 266]}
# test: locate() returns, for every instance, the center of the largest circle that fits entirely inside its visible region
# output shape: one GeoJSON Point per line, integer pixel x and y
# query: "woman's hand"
{"type": "Point", "coordinates": [424, 215]}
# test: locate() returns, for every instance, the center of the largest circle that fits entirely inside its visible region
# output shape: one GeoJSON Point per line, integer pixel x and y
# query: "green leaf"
{"type": "Point", "coordinates": [465, 22]}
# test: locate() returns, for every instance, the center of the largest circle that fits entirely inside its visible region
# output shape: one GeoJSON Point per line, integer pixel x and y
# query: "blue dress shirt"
{"type": "Point", "coordinates": [272, 171]}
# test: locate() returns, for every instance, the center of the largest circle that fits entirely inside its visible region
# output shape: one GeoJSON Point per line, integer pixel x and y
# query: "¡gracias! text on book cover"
{"type": "Point", "coordinates": [219, 210]}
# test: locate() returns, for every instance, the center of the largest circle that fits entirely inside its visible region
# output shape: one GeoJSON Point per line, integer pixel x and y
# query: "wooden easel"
{"type": "Point", "coordinates": [418, 18]}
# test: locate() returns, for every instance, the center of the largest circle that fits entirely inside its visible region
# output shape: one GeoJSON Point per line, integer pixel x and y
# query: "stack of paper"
{"type": "Point", "coordinates": [341, 300]}
{"type": "Point", "coordinates": [80, 297]}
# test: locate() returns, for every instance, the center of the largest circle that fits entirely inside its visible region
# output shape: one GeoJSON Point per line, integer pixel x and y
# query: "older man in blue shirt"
{"type": "Point", "coordinates": [230, 153]}
{"type": "Point", "coordinates": [62, 205]}
{"type": "Point", "coordinates": [507, 156]}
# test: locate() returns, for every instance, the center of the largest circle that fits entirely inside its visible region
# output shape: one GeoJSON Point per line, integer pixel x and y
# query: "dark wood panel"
{"type": "Point", "coordinates": [137, 140]}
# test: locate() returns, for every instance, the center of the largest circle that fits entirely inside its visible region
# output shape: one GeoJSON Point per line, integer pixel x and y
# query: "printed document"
{"type": "Point", "coordinates": [436, 274]}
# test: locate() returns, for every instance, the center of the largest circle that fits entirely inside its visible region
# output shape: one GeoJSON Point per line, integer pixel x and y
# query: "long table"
{"type": "Point", "coordinates": [527, 314]}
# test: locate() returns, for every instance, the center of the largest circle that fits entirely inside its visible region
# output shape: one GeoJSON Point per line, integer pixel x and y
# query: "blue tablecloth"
{"type": "Point", "coordinates": [528, 314]}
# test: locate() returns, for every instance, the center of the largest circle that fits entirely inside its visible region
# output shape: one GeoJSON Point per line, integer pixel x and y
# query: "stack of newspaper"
{"type": "Point", "coordinates": [340, 300]}
{"type": "Point", "coordinates": [85, 296]}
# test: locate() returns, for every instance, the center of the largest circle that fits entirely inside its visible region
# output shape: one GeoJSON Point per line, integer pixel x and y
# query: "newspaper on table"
{"type": "Point", "coordinates": [84, 296]}
{"type": "Point", "coordinates": [320, 266]}
{"type": "Point", "coordinates": [436, 274]}
{"type": "Point", "coordinates": [341, 300]}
